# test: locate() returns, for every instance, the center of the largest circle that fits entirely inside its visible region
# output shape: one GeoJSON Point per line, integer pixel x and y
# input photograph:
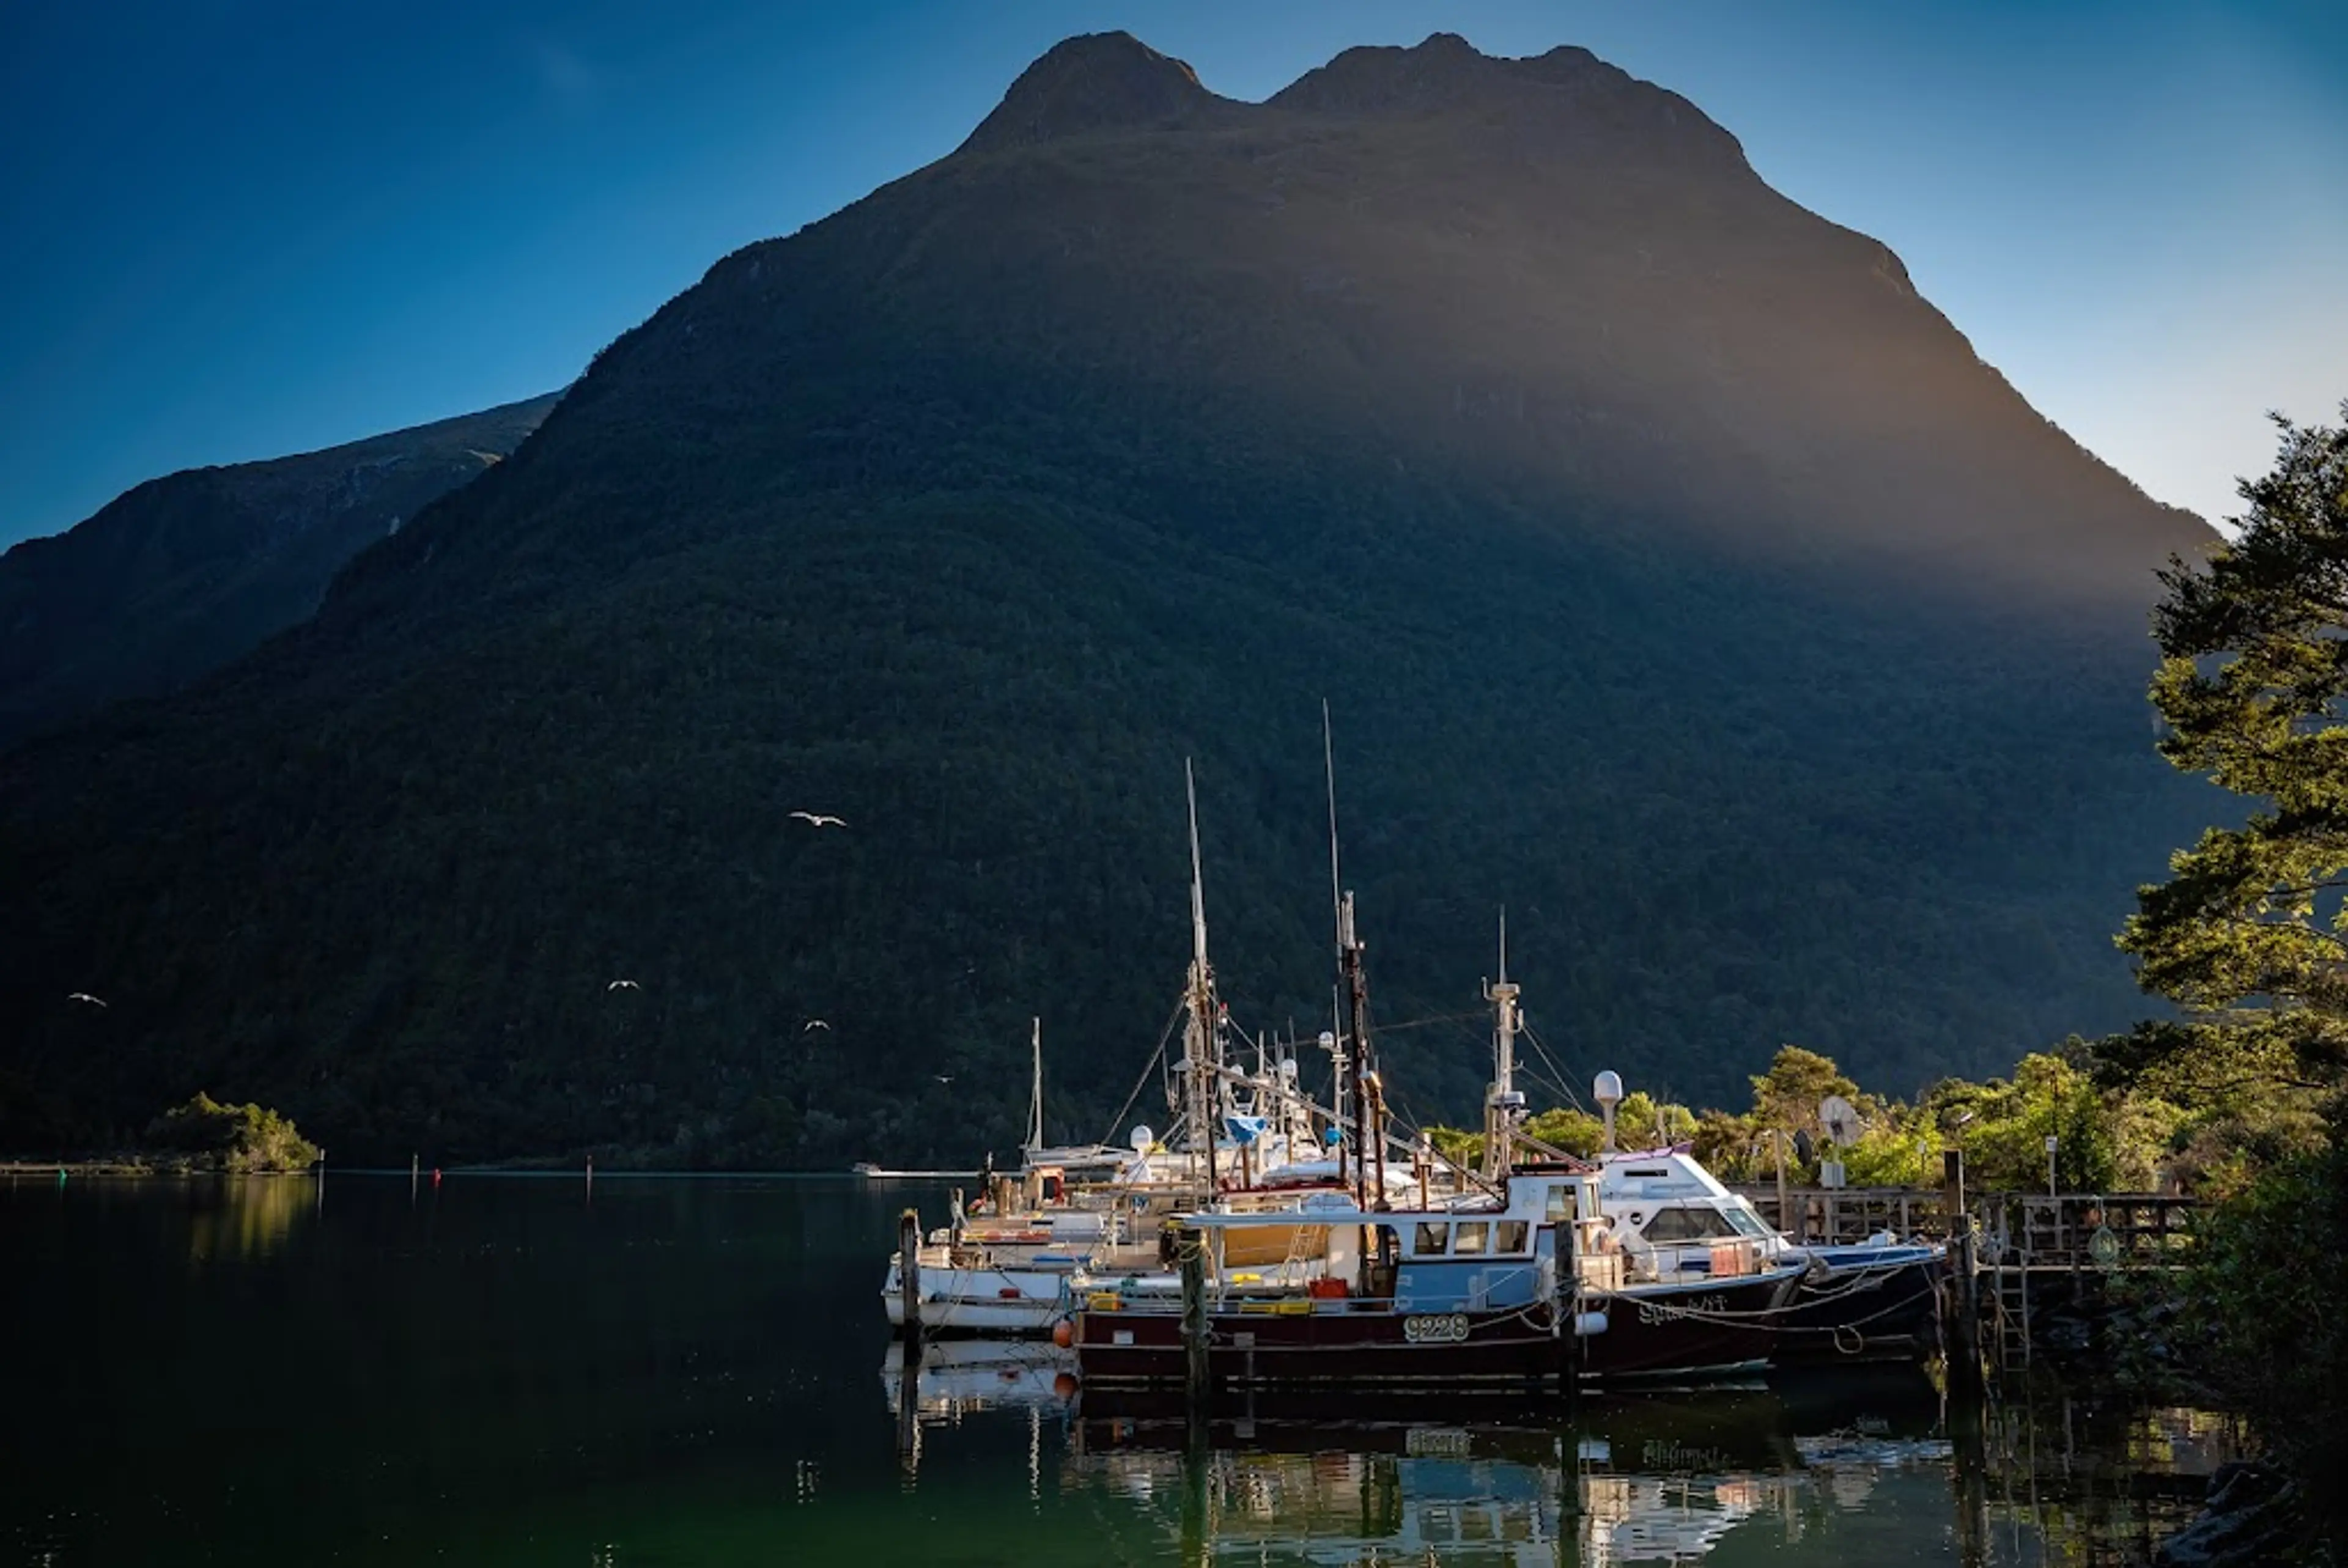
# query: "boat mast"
{"type": "Point", "coordinates": [1339, 1086]}
{"type": "Point", "coordinates": [1367, 1136]}
{"type": "Point", "coordinates": [1036, 1100]}
{"type": "Point", "coordinates": [1202, 1031]}
{"type": "Point", "coordinates": [1502, 1102]}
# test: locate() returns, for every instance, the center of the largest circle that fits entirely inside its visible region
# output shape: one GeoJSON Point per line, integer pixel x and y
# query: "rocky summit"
{"type": "Point", "coordinates": [1677, 575]}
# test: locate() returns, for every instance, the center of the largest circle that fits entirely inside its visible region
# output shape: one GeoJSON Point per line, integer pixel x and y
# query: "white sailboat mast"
{"type": "Point", "coordinates": [1036, 1098]}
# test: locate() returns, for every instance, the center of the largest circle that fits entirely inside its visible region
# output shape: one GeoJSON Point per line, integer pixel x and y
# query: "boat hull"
{"type": "Point", "coordinates": [1875, 1304]}
{"type": "Point", "coordinates": [998, 1301]}
{"type": "Point", "coordinates": [1708, 1329]}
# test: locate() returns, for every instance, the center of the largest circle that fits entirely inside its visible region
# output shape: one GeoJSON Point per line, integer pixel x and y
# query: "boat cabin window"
{"type": "Point", "coordinates": [1472, 1236]}
{"type": "Point", "coordinates": [1751, 1223]}
{"type": "Point", "coordinates": [1688, 1224]}
{"type": "Point", "coordinates": [1433, 1237]}
{"type": "Point", "coordinates": [1510, 1235]}
{"type": "Point", "coordinates": [1560, 1204]}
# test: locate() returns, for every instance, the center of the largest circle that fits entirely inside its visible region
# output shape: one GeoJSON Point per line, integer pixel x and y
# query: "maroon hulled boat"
{"type": "Point", "coordinates": [1491, 1294]}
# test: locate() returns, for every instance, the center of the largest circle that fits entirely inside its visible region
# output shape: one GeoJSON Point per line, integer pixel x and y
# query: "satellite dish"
{"type": "Point", "coordinates": [1142, 1137]}
{"type": "Point", "coordinates": [1840, 1117]}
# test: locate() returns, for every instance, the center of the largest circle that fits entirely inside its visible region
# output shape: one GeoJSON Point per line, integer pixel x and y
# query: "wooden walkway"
{"type": "Point", "coordinates": [2069, 1231]}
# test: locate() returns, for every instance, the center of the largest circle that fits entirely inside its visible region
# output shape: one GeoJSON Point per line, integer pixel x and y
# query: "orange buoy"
{"type": "Point", "coordinates": [1064, 1333]}
{"type": "Point", "coordinates": [1064, 1386]}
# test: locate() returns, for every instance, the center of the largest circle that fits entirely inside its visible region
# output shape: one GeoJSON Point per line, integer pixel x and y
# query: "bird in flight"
{"type": "Point", "coordinates": [818, 819]}
{"type": "Point", "coordinates": [85, 996]}
{"type": "Point", "coordinates": [813, 1023]}
{"type": "Point", "coordinates": [623, 985]}
{"type": "Point", "coordinates": [945, 1076]}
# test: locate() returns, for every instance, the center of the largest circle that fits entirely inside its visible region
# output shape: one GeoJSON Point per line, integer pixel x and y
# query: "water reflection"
{"type": "Point", "coordinates": [1854, 1467]}
{"type": "Point", "coordinates": [1664, 1479]}
{"type": "Point", "coordinates": [496, 1372]}
{"type": "Point", "coordinates": [244, 1219]}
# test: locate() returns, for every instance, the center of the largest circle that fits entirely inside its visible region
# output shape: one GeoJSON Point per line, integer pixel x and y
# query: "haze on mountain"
{"type": "Point", "coordinates": [174, 578]}
{"type": "Point", "coordinates": [1678, 577]}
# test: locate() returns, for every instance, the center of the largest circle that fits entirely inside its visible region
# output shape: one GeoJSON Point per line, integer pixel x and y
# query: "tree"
{"type": "Point", "coordinates": [242, 1138]}
{"type": "Point", "coordinates": [2250, 932]}
{"type": "Point", "coordinates": [2250, 935]}
{"type": "Point", "coordinates": [1787, 1097]}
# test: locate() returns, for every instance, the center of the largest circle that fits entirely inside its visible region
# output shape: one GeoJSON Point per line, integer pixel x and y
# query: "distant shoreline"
{"type": "Point", "coordinates": [131, 1167]}
{"type": "Point", "coordinates": [122, 1165]}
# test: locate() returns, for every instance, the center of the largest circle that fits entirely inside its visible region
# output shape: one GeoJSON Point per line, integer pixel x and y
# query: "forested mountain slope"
{"type": "Point", "coordinates": [1677, 576]}
{"type": "Point", "coordinates": [181, 574]}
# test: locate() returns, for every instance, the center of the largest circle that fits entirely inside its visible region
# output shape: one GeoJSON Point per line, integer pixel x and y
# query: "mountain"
{"type": "Point", "coordinates": [1678, 578]}
{"type": "Point", "coordinates": [183, 574]}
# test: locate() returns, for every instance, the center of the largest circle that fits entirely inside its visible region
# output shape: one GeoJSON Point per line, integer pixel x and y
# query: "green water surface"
{"type": "Point", "coordinates": [695, 1370]}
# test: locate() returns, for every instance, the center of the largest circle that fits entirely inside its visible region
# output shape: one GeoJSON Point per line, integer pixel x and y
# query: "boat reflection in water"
{"type": "Point", "coordinates": [1854, 1465]}
{"type": "Point", "coordinates": [957, 1378]}
{"type": "Point", "coordinates": [1651, 1478]}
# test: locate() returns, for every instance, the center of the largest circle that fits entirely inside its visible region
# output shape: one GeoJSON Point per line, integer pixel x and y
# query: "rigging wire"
{"type": "Point", "coordinates": [1156, 1057]}
{"type": "Point", "coordinates": [1563, 1084]}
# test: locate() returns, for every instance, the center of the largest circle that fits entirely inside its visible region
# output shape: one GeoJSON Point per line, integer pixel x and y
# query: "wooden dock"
{"type": "Point", "coordinates": [2036, 1259]}
{"type": "Point", "coordinates": [2069, 1231]}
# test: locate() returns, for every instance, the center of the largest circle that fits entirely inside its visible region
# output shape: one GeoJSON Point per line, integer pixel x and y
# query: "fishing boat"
{"type": "Point", "coordinates": [1875, 1299]}
{"type": "Point", "coordinates": [1073, 1220]}
{"type": "Point", "coordinates": [1674, 1222]}
{"type": "Point", "coordinates": [1518, 1291]}
{"type": "Point", "coordinates": [1518, 1283]}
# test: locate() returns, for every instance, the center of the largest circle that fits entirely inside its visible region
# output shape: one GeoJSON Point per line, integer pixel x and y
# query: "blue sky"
{"type": "Point", "coordinates": [236, 229]}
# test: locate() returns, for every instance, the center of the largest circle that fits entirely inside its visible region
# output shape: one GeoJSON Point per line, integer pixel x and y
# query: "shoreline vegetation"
{"type": "Point", "coordinates": [201, 1137]}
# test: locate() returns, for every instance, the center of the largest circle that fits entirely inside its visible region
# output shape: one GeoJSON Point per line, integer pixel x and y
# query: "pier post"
{"type": "Point", "coordinates": [1190, 1246]}
{"type": "Point", "coordinates": [909, 1279]}
{"type": "Point", "coordinates": [1963, 1337]}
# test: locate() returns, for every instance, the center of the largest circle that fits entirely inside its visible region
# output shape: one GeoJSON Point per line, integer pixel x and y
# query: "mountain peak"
{"type": "Point", "coordinates": [1095, 81]}
{"type": "Point", "coordinates": [1568, 94]}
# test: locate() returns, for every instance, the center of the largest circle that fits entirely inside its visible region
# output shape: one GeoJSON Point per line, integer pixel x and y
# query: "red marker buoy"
{"type": "Point", "coordinates": [436, 1176]}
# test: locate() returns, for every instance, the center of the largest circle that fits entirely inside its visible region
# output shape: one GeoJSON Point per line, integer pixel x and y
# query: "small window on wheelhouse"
{"type": "Point", "coordinates": [1433, 1237]}
{"type": "Point", "coordinates": [1473, 1234]}
{"type": "Point", "coordinates": [1561, 1206]}
{"type": "Point", "coordinates": [1510, 1235]}
{"type": "Point", "coordinates": [1688, 1224]}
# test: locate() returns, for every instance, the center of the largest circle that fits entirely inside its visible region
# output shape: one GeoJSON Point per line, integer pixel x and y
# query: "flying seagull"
{"type": "Point", "coordinates": [813, 1023]}
{"type": "Point", "coordinates": [85, 996]}
{"type": "Point", "coordinates": [818, 819]}
{"type": "Point", "coordinates": [944, 1077]}
{"type": "Point", "coordinates": [623, 985]}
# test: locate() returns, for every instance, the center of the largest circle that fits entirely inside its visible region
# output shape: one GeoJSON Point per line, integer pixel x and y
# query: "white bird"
{"type": "Point", "coordinates": [623, 985]}
{"type": "Point", "coordinates": [85, 996]}
{"type": "Point", "coordinates": [813, 1023]}
{"type": "Point", "coordinates": [818, 819]}
{"type": "Point", "coordinates": [944, 1077]}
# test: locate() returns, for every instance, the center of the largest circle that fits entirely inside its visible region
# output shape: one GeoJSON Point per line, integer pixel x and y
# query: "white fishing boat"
{"type": "Point", "coordinates": [1072, 1220]}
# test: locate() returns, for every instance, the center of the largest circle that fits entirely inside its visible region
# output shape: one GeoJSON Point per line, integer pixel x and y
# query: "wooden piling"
{"type": "Point", "coordinates": [1962, 1325]}
{"type": "Point", "coordinates": [908, 1280]}
{"type": "Point", "coordinates": [1191, 1244]}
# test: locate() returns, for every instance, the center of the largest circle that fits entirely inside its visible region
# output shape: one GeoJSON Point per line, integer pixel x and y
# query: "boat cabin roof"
{"type": "Point", "coordinates": [1656, 1175]}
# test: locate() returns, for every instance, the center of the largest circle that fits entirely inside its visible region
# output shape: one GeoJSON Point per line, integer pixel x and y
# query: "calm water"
{"type": "Point", "coordinates": [680, 1371]}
